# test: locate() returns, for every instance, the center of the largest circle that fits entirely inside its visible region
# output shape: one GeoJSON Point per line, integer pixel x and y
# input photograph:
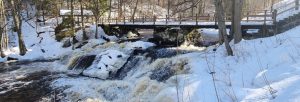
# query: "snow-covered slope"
{"type": "Point", "coordinates": [43, 46]}
{"type": "Point", "coordinates": [262, 70]}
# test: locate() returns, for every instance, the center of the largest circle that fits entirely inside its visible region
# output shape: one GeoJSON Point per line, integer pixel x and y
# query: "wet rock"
{"type": "Point", "coordinates": [132, 34]}
{"type": "Point", "coordinates": [164, 69]}
{"type": "Point", "coordinates": [119, 56]}
{"type": "Point", "coordinates": [130, 65]}
{"type": "Point", "coordinates": [162, 74]}
{"type": "Point", "coordinates": [169, 36]}
{"type": "Point", "coordinates": [43, 50]}
{"type": "Point", "coordinates": [67, 43]}
{"type": "Point", "coordinates": [80, 44]}
{"type": "Point", "coordinates": [194, 37]}
{"type": "Point", "coordinates": [11, 59]}
{"type": "Point", "coordinates": [155, 53]}
{"type": "Point", "coordinates": [81, 63]}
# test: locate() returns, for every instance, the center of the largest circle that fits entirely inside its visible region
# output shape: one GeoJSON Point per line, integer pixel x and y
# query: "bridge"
{"type": "Point", "coordinates": [267, 21]}
{"type": "Point", "coordinates": [259, 19]}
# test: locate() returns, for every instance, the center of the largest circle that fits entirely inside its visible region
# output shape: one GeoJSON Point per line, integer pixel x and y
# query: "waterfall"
{"type": "Point", "coordinates": [79, 64]}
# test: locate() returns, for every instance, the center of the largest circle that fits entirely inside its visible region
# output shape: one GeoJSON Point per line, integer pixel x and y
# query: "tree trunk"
{"type": "Point", "coordinates": [120, 10]}
{"type": "Point", "coordinates": [96, 33]}
{"type": "Point", "coordinates": [169, 7]}
{"type": "Point", "coordinates": [135, 8]}
{"type": "Point", "coordinates": [236, 21]}
{"type": "Point", "coordinates": [17, 17]}
{"type": "Point", "coordinates": [85, 37]}
{"type": "Point", "coordinates": [109, 15]}
{"type": "Point", "coordinates": [2, 28]}
{"type": "Point", "coordinates": [72, 16]}
{"type": "Point", "coordinates": [43, 13]}
{"type": "Point", "coordinates": [222, 27]}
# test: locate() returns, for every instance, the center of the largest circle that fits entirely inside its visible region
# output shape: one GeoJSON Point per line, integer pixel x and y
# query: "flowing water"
{"type": "Point", "coordinates": [26, 81]}
{"type": "Point", "coordinates": [30, 81]}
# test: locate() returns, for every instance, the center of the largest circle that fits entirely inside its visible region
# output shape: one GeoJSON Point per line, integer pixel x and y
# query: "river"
{"type": "Point", "coordinates": [27, 81]}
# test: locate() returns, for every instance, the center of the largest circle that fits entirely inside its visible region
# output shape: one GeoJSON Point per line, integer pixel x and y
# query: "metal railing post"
{"type": "Point", "coordinates": [124, 20]}
{"type": "Point", "coordinates": [196, 18]}
{"type": "Point", "coordinates": [143, 19]}
{"type": "Point", "coordinates": [154, 20]}
{"type": "Point", "coordinates": [166, 19]}
{"type": "Point", "coordinates": [180, 19]}
{"type": "Point", "coordinates": [265, 17]}
{"type": "Point", "coordinates": [274, 16]}
{"type": "Point", "coordinates": [133, 20]}
{"type": "Point", "coordinates": [248, 16]}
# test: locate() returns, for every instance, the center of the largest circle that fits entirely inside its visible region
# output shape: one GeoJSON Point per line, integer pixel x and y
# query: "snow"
{"type": "Point", "coordinates": [252, 61]}
{"type": "Point", "coordinates": [35, 45]}
{"type": "Point", "coordinates": [106, 62]}
{"type": "Point", "coordinates": [91, 31]}
{"type": "Point", "coordinates": [76, 12]}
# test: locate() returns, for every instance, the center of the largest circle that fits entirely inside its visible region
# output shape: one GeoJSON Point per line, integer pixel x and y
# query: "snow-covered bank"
{"type": "Point", "coordinates": [261, 70]}
{"type": "Point", "coordinates": [40, 42]}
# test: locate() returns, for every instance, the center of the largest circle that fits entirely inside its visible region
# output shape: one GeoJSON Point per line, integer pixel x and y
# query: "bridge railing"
{"type": "Point", "coordinates": [154, 19]}
{"type": "Point", "coordinates": [259, 16]}
{"type": "Point", "coordinates": [286, 7]}
{"type": "Point", "coordinates": [262, 16]}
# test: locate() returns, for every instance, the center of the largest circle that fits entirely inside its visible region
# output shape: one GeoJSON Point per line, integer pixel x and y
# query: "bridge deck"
{"type": "Point", "coordinates": [185, 24]}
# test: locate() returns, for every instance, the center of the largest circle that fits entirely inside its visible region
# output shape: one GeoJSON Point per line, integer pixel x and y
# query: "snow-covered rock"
{"type": "Point", "coordinates": [131, 34]}
{"type": "Point", "coordinates": [139, 45]}
{"type": "Point", "coordinates": [105, 63]}
{"type": "Point", "coordinates": [91, 31]}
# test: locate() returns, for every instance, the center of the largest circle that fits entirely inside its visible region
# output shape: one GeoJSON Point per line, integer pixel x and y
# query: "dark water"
{"type": "Point", "coordinates": [26, 81]}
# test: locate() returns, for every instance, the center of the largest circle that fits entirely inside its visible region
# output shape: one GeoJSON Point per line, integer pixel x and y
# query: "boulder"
{"type": "Point", "coordinates": [106, 63]}
{"type": "Point", "coordinates": [194, 37]}
{"type": "Point", "coordinates": [169, 36]}
{"type": "Point", "coordinates": [66, 42]}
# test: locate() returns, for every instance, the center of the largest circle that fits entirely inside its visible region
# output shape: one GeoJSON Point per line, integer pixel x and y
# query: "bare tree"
{"type": "Point", "coordinates": [120, 9]}
{"type": "Point", "coordinates": [85, 37]}
{"type": "Point", "coordinates": [135, 8]}
{"type": "Point", "coordinates": [17, 18]}
{"type": "Point", "coordinates": [222, 27]}
{"type": "Point", "coordinates": [3, 24]}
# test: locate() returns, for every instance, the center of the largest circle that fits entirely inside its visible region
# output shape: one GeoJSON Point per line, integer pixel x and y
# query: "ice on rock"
{"type": "Point", "coordinates": [105, 63]}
